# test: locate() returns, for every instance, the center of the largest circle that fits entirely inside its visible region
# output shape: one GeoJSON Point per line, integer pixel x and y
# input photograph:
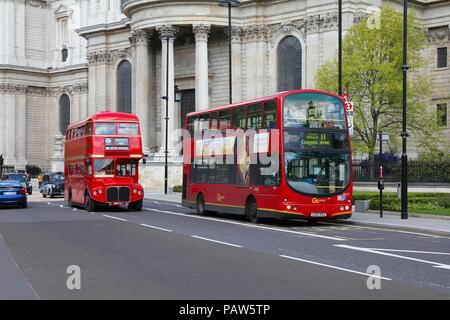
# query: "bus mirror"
{"type": "Point", "coordinates": [144, 161]}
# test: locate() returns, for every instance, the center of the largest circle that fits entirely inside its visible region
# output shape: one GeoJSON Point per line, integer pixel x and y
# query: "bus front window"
{"type": "Point", "coordinates": [104, 167]}
{"type": "Point", "coordinates": [126, 168]}
{"type": "Point", "coordinates": [317, 173]}
{"type": "Point", "coordinates": [127, 128]}
{"type": "Point", "coordinates": [313, 110]}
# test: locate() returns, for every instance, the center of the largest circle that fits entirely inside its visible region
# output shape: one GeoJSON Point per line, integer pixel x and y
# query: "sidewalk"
{"type": "Point", "coordinates": [436, 224]}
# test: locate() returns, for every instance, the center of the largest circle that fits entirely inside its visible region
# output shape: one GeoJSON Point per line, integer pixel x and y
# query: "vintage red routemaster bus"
{"type": "Point", "coordinates": [101, 158]}
{"type": "Point", "coordinates": [284, 156]}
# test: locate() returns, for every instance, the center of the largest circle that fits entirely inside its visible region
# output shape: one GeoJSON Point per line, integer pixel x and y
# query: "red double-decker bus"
{"type": "Point", "coordinates": [101, 158]}
{"type": "Point", "coordinates": [283, 156]}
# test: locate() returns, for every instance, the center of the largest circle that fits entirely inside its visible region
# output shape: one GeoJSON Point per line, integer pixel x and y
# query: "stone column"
{"type": "Point", "coordinates": [236, 63]}
{"type": "Point", "coordinates": [21, 126]}
{"type": "Point", "coordinates": [10, 126]}
{"type": "Point", "coordinates": [142, 83]}
{"type": "Point", "coordinates": [201, 33]}
{"type": "Point", "coordinates": [167, 31]}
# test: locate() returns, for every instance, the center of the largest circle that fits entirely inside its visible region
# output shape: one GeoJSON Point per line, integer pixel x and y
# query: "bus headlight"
{"type": "Point", "coordinates": [288, 207]}
{"type": "Point", "coordinates": [95, 193]}
{"type": "Point", "coordinates": [100, 191]}
{"type": "Point", "coordinates": [134, 190]}
{"type": "Point", "coordinates": [342, 208]}
{"type": "Point", "coordinates": [139, 192]}
{"type": "Point", "coordinates": [347, 207]}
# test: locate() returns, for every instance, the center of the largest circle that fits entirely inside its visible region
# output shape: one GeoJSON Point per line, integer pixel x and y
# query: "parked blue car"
{"type": "Point", "coordinates": [13, 193]}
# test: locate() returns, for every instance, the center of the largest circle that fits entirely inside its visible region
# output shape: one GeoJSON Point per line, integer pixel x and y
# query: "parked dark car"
{"type": "Point", "coordinates": [13, 193]}
{"type": "Point", "coordinates": [52, 184]}
{"type": "Point", "coordinates": [22, 178]}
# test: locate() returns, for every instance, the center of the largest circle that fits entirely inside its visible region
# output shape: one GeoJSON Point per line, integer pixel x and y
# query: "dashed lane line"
{"type": "Point", "coordinates": [153, 227]}
{"type": "Point", "coordinates": [248, 225]}
{"type": "Point", "coordinates": [217, 241]}
{"type": "Point", "coordinates": [111, 217]}
{"type": "Point", "coordinates": [337, 268]}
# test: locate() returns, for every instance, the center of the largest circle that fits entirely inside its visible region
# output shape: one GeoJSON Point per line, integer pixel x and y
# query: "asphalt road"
{"type": "Point", "coordinates": [168, 252]}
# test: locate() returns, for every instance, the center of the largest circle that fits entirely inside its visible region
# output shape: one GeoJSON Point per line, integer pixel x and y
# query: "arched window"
{"type": "Point", "coordinates": [289, 64]}
{"type": "Point", "coordinates": [64, 113]}
{"type": "Point", "coordinates": [124, 87]}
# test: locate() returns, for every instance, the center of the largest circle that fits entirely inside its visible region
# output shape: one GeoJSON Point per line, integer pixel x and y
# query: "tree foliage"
{"type": "Point", "coordinates": [372, 76]}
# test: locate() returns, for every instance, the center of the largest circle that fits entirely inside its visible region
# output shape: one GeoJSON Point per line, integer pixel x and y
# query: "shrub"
{"type": "Point", "coordinates": [178, 189]}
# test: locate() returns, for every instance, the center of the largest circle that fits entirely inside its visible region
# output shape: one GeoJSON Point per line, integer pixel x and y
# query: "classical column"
{"type": "Point", "coordinates": [236, 56]}
{"type": "Point", "coordinates": [167, 32]}
{"type": "Point", "coordinates": [21, 126]}
{"type": "Point", "coordinates": [10, 126]}
{"type": "Point", "coordinates": [201, 33]}
{"type": "Point", "coordinates": [142, 83]}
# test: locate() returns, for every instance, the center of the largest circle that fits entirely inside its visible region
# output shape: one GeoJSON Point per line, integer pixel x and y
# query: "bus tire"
{"type": "Point", "coordinates": [44, 195]}
{"type": "Point", "coordinates": [70, 198]}
{"type": "Point", "coordinates": [251, 210]}
{"type": "Point", "coordinates": [201, 205]}
{"type": "Point", "coordinates": [89, 203]}
{"type": "Point", "coordinates": [135, 206]}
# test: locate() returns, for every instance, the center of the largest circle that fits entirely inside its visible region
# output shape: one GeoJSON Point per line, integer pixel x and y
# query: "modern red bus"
{"type": "Point", "coordinates": [101, 158]}
{"type": "Point", "coordinates": [293, 160]}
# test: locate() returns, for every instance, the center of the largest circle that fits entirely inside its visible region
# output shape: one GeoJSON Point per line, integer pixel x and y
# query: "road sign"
{"type": "Point", "coordinates": [383, 137]}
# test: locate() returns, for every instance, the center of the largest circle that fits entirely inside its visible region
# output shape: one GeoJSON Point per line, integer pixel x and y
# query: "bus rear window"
{"type": "Point", "coordinates": [127, 128]}
{"type": "Point", "coordinates": [105, 128]}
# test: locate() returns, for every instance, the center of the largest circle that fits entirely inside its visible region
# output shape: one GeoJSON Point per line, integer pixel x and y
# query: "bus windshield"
{"type": "Point", "coordinates": [317, 173]}
{"type": "Point", "coordinates": [313, 110]}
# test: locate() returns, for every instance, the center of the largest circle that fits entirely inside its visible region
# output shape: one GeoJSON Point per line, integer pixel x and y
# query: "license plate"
{"type": "Point", "coordinates": [9, 193]}
{"type": "Point", "coordinates": [118, 203]}
{"type": "Point", "coordinates": [318, 214]}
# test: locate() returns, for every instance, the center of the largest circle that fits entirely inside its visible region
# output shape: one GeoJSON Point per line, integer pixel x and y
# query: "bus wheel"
{"type": "Point", "coordinates": [251, 210]}
{"type": "Point", "coordinates": [70, 199]}
{"type": "Point", "coordinates": [201, 205]}
{"type": "Point", "coordinates": [89, 203]}
{"type": "Point", "coordinates": [135, 206]}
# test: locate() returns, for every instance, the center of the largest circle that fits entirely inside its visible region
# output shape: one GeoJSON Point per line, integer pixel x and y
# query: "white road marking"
{"type": "Point", "coordinates": [120, 219]}
{"type": "Point", "coordinates": [334, 267]}
{"type": "Point", "coordinates": [412, 251]}
{"type": "Point", "coordinates": [384, 229]}
{"type": "Point", "coordinates": [216, 241]}
{"type": "Point", "coordinates": [435, 264]}
{"type": "Point", "coordinates": [153, 227]}
{"type": "Point", "coordinates": [248, 225]}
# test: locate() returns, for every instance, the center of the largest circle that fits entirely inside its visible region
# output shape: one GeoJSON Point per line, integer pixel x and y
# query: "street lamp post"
{"type": "Point", "coordinates": [340, 47]}
{"type": "Point", "coordinates": [404, 133]}
{"type": "Point", "coordinates": [166, 37]}
{"type": "Point", "coordinates": [229, 4]}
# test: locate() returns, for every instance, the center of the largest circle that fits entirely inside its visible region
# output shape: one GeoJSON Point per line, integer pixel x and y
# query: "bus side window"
{"type": "Point", "coordinates": [88, 167]}
{"type": "Point", "coordinates": [239, 118]}
{"type": "Point", "coordinates": [214, 117]}
{"type": "Point", "coordinates": [89, 129]}
{"type": "Point", "coordinates": [204, 122]}
{"type": "Point", "coordinates": [191, 124]}
{"type": "Point", "coordinates": [270, 114]}
{"type": "Point", "coordinates": [224, 119]}
{"type": "Point", "coordinates": [254, 116]}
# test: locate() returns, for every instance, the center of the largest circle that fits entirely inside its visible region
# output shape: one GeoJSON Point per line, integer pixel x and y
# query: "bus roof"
{"type": "Point", "coordinates": [243, 103]}
{"type": "Point", "coordinates": [106, 116]}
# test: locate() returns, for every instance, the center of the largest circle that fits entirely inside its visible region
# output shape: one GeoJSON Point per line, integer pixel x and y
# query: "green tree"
{"type": "Point", "coordinates": [372, 76]}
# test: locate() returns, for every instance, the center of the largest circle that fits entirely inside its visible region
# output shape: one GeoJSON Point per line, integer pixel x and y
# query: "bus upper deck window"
{"type": "Point", "coordinates": [204, 122]}
{"type": "Point", "coordinates": [224, 119]}
{"type": "Point", "coordinates": [127, 128]}
{"type": "Point", "coordinates": [254, 116]}
{"type": "Point", "coordinates": [239, 117]}
{"type": "Point", "coordinates": [105, 128]}
{"type": "Point", "coordinates": [191, 122]}
{"type": "Point", "coordinates": [270, 114]}
{"type": "Point", "coordinates": [89, 129]}
{"type": "Point", "coordinates": [214, 117]}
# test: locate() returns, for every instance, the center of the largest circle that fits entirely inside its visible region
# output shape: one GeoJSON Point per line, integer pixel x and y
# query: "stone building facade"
{"type": "Point", "coordinates": [61, 60]}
